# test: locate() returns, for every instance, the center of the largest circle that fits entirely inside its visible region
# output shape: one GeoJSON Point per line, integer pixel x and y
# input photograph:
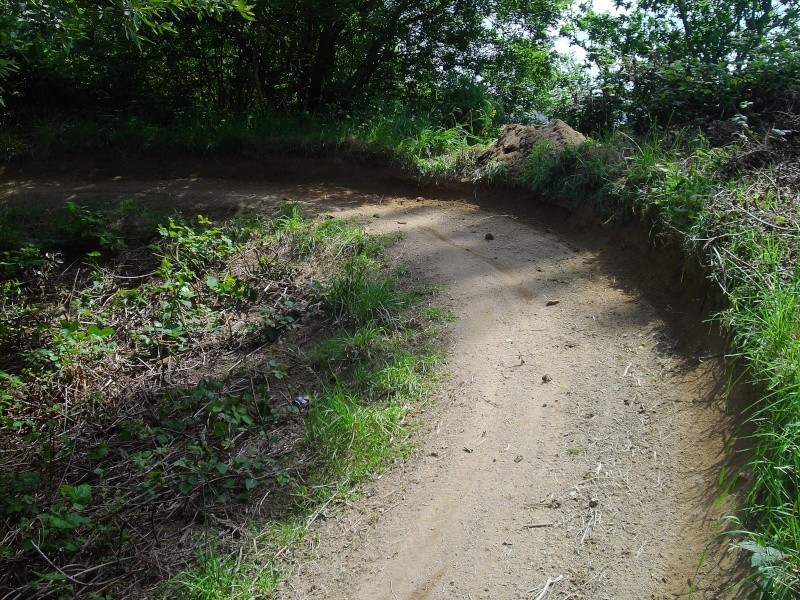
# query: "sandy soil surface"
{"type": "Point", "coordinates": [574, 447]}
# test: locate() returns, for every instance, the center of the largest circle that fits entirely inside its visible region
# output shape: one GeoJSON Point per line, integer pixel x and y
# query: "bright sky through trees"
{"type": "Point", "coordinates": [564, 46]}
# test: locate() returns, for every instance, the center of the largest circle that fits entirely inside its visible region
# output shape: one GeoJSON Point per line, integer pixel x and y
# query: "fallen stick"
{"type": "Point", "coordinates": [537, 525]}
{"type": "Point", "coordinates": [547, 586]}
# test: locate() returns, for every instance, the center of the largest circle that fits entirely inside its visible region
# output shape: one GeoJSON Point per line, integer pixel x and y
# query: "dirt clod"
{"type": "Point", "coordinates": [517, 141]}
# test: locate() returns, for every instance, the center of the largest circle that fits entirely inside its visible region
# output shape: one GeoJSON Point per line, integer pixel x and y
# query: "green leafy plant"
{"type": "Point", "coordinates": [91, 227]}
{"type": "Point", "coordinates": [60, 527]}
{"type": "Point", "coordinates": [141, 399]}
{"type": "Point", "coordinates": [73, 343]}
{"type": "Point", "coordinates": [231, 289]}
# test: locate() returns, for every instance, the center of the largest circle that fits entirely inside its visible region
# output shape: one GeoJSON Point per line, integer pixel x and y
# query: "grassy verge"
{"type": "Point", "coordinates": [415, 142]}
{"type": "Point", "coordinates": [736, 209]}
{"type": "Point", "coordinates": [180, 400]}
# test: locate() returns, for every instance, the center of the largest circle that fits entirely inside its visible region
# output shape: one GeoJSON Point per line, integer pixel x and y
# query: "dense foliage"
{"type": "Point", "coordinates": [662, 61]}
{"type": "Point", "coordinates": [459, 62]}
{"type": "Point", "coordinates": [159, 59]}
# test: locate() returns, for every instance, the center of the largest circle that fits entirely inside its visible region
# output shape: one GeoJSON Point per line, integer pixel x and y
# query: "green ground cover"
{"type": "Point", "coordinates": [181, 399]}
{"type": "Point", "coordinates": [731, 205]}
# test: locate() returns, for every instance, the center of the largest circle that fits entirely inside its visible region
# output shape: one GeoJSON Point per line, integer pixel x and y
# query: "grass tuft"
{"type": "Point", "coordinates": [355, 439]}
{"type": "Point", "coordinates": [360, 296]}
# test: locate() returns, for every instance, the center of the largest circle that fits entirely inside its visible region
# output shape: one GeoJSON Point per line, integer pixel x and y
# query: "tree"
{"type": "Point", "coordinates": [662, 60]}
{"type": "Point", "coordinates": [448, 58]}
{"type": "Point", "coordinates": [39, 29]}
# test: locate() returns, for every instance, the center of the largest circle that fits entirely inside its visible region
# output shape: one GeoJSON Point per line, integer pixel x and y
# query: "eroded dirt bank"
{"type": "Point", "coordinates": [580, 430]}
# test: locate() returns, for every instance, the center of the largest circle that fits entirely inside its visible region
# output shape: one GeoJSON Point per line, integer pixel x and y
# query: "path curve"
{"type": "Point", "coordinates": [573, 449]}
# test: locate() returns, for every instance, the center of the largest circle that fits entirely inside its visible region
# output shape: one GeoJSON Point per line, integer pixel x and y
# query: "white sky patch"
{"type": "Point", "coordinates": [564, 46]}
{"type": "Point", "coordinates": [606, 6]}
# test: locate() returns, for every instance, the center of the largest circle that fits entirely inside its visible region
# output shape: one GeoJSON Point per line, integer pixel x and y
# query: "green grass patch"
{"type": "Point", "coordinates": [356, 439]}
{"type": "Point", "coordinates": [415, 142]}
{"type": "Point", "coordinates": [216, 578]}
{"type": "Point", "coordinates": [220, 383]}
{"type": "Point", "coordinates": [357, 296]}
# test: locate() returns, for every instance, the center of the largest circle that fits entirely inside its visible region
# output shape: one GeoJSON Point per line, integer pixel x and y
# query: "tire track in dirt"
{"type": "Point", "coordinates": [524, 293]}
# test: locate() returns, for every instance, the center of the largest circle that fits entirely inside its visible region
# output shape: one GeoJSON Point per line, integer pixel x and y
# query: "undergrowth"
{"type": "Point", "coordinates": [414, 142]}
{"type": "Point", "coordinates": [734, 208]}
{"type": "Point", "coordinates": [180, 400]}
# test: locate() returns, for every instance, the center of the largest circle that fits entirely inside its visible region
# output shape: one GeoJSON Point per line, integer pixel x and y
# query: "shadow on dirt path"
{"type": "Point", "coordinates": [582, 428]}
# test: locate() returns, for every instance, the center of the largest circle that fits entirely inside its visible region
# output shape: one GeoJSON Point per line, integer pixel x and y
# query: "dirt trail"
{"type": "Point", "coordinates": [578, 436]}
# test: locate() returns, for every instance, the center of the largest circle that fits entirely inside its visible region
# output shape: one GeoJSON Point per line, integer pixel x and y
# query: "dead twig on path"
{"type": "Point", "coordinates": [547, 586]}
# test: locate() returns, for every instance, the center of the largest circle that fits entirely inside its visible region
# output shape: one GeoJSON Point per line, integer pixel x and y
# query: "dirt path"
{"type": "Point", "coordinates": [579, 434]}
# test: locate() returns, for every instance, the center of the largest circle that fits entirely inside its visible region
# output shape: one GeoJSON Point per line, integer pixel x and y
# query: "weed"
{"type": "Point", "coordinates": [217, 578]}
{"type": "Point", "coordinates": [289, 219]}
{"type": "Point", "coordinates": [437, 314]}
{"type": "Point", "coordinates": [491, 172]}
{"type": "Point", "coordinates": [538, 166]}
{"type": "Point", "coordinates": [59, 527]}
{"type": "Point", "coordinates": [137, 408]}
{"type": "Point", "coordinates": [361, 296]}
{"type": "Point", "coordinates": [355, 440]}
{"type": "Point", "coordinates": [349, 348]}
{"type": "Point", "coordinates": [93, 228]}
{"type": "Point", "coordinates": [193, 248]}
{"type": "Point", "coordinates": [401, 379]}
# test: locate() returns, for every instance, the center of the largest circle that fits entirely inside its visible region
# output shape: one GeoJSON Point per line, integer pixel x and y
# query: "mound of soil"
{"type": "Point", "coordinates": [517, 141]}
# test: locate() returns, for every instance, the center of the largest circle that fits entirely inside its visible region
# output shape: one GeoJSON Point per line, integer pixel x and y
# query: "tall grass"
{"type": "Point", "coordinates": [413, 141]}
{"type": "Point", "coordinates": [687, 192]}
